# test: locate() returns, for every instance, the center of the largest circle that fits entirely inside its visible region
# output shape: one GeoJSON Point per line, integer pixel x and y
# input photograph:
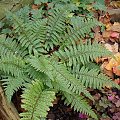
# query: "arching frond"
{"type": "Point", "coordinates": [12, 65]}
{"type": "Point", "coordinates": [55, 27]}
{"type": "Point", "coordinates": [93, 78]}
{"type": "Point", "coordinates": [12, 84]}
{"type": "Point", "coordinates": [10, 46]}
{"type": "Point", "coordinates": [78, 103]}
{"type": "Point", "coordinates": [58, 72]}
{"type": "Point", "coordinates": [82, 53]}
{"type": "Point", "coordinates": [36, 101]}
{"type": "Point", "coordinates": [31, 34]}
{"type": "Point", "coordinates": [80, 28]}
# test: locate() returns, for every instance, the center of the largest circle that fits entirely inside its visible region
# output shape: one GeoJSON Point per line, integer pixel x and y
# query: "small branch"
{"type": "Point", "coordinates": [7, 110]}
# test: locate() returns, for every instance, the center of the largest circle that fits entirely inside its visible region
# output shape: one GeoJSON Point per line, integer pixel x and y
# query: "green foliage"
{"type": "Point", "coordinates": [41, 101]}
{"type": "Point", "coordinates": [79, 104]}
{"type": "Point", "coordinates": [99, 5]}
{"type": "Point", "coordinates": [82, 53]}
{"type": "Point", "coordinates": [12, 84]}
{"type": "Point", "coordinates": [12, 65]}
{"type": "Point", "coordinates": [40, 1]}
{"type": "Point", "coordinates": [92, 78]}
{"type": "Point", "coordinates": [81, 27]}
{"type": "Point", "coordinates": [45, 55]}
{"type": "Point", "coordinates": [58, 73]}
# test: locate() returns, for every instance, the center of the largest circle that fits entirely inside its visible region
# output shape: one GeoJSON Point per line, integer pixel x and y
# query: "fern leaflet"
{"type": "Point", "coordinates": [92, 78]}
{"type": "Point", "coordinates": [36, 101]}
{"type": "Point", "coordinates": [57, 72]}
{"type": "Point", "coordinates": [81, 53]}
{"type": "Point", "coordinates": [79, 104]}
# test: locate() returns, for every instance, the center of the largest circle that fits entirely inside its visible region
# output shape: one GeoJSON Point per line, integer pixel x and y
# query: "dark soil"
{"type": "Point", "coordinates": [60, 111]}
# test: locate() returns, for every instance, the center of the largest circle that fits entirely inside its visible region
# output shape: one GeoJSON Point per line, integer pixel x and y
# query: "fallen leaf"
{"type": "Point", "coordinates": [106, 34]}
{"type": "Point", "coordinates": [105, 119]}
{"type": "Point", "coordinates": [108, 26]}
{"type": "Point", "coordinates": [107, 72]}
{"type": "Point", "coordinates": [105, 19]}
{"type": "Point", "coordinates": [97, 96]}
{"type": "Point", "coordinates": [112, 47]}
{"type": "Point", "coordinates": [115, 4]}
{"type": "Point", "coordinates": [115, 27]}
{"type": "Point", "coordinates": [118, 103]}
{"type": "Point", "coordinates": [116, 71]}
{"type": "Point", "coordinates": [114, 62]}
{"type": "Point", "coordinates": [114, 35]}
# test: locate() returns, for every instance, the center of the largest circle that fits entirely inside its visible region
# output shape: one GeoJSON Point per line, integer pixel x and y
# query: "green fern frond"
{"type": "Point", "coordinates": [34, 74]}
{"type": "Point", "coordinates": [81, 27]}
{"type": "Point", "coordinates": [82, 53]}
{"type": "Point", "coordinates": [100, 5]}
{"type": "Point", "coordinates": [12, 65]}
{"type": "Point", "coordinates": [10, 46]}
{"type": "Point", "coordinates": [92, 65]}
{"type": "Point", "coordinates": [55, 27]}
{"type": "Point", "coordinates": [40, 1]}
{"type": "Point", "coordinates": [58, 72]}
{"type": "Point", "coordinates": [12, 84]}
{"type": "Point", "coordinates": [93, 78]}
{"type": "Point", "coordinates": [36, 101]}
{"type": "Point", "coordinates": [23, 14]}
{"type": "Point", "coordinates": [29, 35]}
{"type": "Point", "coordinates": [78, 103]}
{"type": "Point", "coordinates": [33, 36]}
{"type": "Point", "coordinates": [7, 46]}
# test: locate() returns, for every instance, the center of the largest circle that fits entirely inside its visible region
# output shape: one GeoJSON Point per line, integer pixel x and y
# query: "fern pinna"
{"type": "Point", "coordinates": [26, 62]}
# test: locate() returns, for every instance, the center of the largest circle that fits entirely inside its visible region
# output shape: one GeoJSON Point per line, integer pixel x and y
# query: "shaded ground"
{"type": "Point", "coordinates": [62, 112]}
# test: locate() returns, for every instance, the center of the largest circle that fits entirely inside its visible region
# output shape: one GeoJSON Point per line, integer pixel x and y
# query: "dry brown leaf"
{"type": "Point", "coordinates": [106, 34]}
{"type": "Point", "coordinates": [113, 48]}
{"type": "Point", "coordinates": [115, 27]}
{"type": "Point", "coordinates": [98, 37]}
{"type": "Point", "coordinates": [116, 70]}
{"type": "Point", "coordinates": [115, 4]}
{"type": "Point", "coordinates": [113, 64]}
{"type": "Point", "coordinates": [105, 19]}
{"type": "Point", "coordinates": [107, 72]}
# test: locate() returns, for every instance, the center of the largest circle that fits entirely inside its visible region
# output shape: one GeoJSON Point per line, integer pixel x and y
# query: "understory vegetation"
{"type": "Point", "coordinates": [50, 50]}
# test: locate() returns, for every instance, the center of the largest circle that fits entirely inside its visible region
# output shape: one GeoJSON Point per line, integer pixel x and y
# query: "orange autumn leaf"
{"type": "Point", "coordinates": [108, 26]}
{"type": "Point", "coordinates": [114, 62]}
{"type": "Point", "coordinates": [116, 70]}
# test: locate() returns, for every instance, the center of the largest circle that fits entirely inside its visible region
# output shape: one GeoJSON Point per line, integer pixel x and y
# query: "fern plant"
{"type": "Point", "coordinates": [41, 56]}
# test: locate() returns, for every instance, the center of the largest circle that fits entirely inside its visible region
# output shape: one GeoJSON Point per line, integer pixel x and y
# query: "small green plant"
{"type": "Point", "coordinates": [41, 55]}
